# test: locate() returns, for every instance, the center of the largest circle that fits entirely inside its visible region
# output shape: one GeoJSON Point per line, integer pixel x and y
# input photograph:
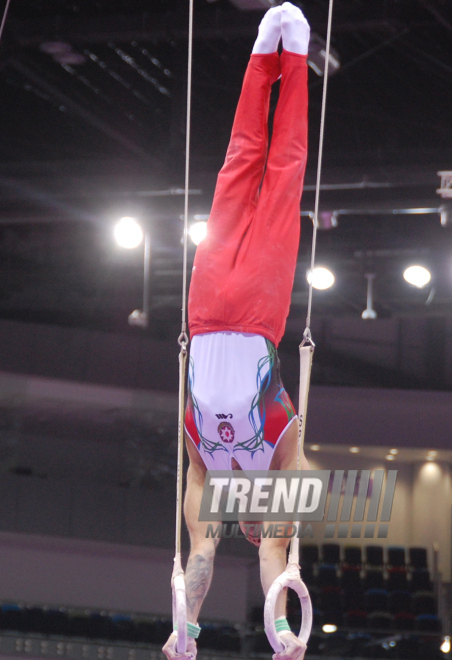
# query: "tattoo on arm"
{"type": "Point", "coordinates": [197, 581]}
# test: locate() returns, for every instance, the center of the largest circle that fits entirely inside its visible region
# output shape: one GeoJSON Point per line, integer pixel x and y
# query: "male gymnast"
{"type": "Point", "coordinates": [238, 413]}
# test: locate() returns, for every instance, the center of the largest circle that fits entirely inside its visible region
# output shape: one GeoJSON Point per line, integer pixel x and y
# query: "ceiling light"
{"type": "Point", "coordinates": [354, 450]}
{"type": "Point", "coordinates": [321, 278]}
{"type": "Point", "coordinates": [445, 646]}
{"type": "Point", "coordinates": [417, 276]}
{"type": "Point", "coordinates": [394, 452]}
{"type": "Point", "coordinates": [314, 447]}
{"type": "Point", "coordinates": [369, 312]}
{"type": "Point", "coordinates": [198, 231]}
{"type": "Point", "coordinates": [390, 457]}
{"type": "Point", "coordinates": [433, 453]}
{"type": "Point", "coordinates": [128, 233]}
{"type": "Point", "coordinates": [329, 628]}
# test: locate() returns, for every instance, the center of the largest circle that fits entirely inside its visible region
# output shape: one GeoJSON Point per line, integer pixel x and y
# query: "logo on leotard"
{"type": "Point", "coordinates": [226, 432]}
{"type": "Point", "coordinates": [223, 416]}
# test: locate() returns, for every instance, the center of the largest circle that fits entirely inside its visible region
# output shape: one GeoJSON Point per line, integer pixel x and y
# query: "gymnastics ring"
{"type": "Point", "coordinates": [290, 578]}
{"type": "Point", "coordinates": [179, 608]}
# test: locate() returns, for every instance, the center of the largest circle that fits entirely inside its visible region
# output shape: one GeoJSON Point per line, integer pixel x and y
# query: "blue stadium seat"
{"type": "Point", "coordinates": [427, 623]}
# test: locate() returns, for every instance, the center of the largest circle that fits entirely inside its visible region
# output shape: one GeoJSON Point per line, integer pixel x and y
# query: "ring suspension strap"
{"type": "Point", "coordinates": [177, 579]}
{"type": "Point", "coordinates": [307, 332]}
{"type": "Point", "coordinates": [5, 14]}
{"type": "Point", "coordinates": [291, 577]}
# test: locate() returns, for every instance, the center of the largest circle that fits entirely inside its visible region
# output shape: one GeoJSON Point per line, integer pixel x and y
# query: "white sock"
{"type": "Point", "coordinates": [269, 32]}
{"type": "Point", "coordinates": [295, 29]}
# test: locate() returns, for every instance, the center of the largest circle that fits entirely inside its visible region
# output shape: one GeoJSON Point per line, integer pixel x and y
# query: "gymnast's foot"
{"type": "Point", "coordinates": [294, 649]}
{"type": "Point", "coordinates": [269, 32]}
{"type": "Point", "coordinates": [295, 29]}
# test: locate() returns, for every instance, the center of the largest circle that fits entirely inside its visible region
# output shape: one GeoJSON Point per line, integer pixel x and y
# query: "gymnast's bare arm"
{"type": "Point", "coordinates": [198, 573]}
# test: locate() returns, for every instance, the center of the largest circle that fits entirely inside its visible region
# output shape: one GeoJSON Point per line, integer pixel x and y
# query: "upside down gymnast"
{"type": "Point", "coordinates": [238, 414]}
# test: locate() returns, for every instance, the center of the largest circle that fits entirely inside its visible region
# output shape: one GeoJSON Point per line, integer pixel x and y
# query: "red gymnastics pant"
{"type": "Point", "coordinates": [244, 269]}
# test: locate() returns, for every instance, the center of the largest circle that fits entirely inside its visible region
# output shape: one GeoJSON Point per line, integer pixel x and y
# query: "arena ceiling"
{"type": "Point", "coordinates": [92, 127]}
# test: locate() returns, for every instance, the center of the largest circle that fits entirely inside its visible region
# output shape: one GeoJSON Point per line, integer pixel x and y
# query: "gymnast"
{"type": "Point", "coordinates": [238, 414]}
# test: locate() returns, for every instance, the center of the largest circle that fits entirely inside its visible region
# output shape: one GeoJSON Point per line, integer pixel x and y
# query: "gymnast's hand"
{"type": "Point", "coordinates": [294, 648]}
{"type": "Point", "coordinates": [171, 652]}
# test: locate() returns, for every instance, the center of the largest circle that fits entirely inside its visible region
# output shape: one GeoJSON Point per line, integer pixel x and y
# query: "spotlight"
{"type": "Point", "coordinates": [394, 452]}
{"type": "Point", "coordinates": [417, 276]}
{"type": "Point", "coordinates": [321, 278]}
{"type": "Point", "coordinates": [329, 628]}
{"type": "Point", "coordinates": [445, 646]}
{"type": "Point", "coordinates": [128, 233]}
{"type": "Point", "coordinates": [314, 447]}
{"type": "Point", "coordinates": [198, 232]}
{"type": "Point", "coordinates": [354, 450]}
{"type": "Point", "coordinates": [390, 457]}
